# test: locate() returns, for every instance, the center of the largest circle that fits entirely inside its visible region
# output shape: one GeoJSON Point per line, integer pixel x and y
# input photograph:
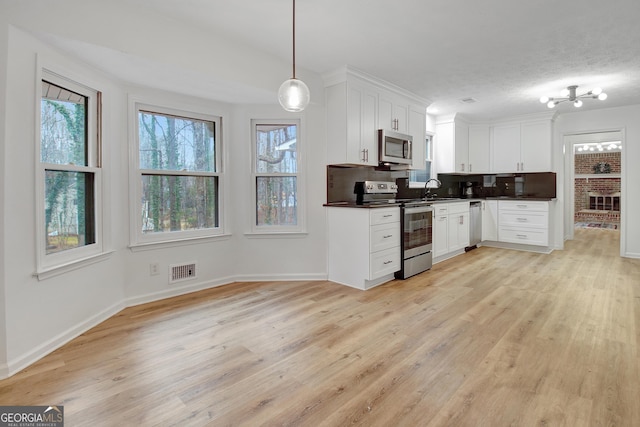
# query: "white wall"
{"type": "Point", "coordinates": [626, 119]}
{"type": "Point", "coordinates": [4, 44]}
{"type": "Point", "coordinates": [39, 315]}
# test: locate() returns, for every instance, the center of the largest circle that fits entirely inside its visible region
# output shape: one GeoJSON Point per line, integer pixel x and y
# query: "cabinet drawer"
{"type": "Point", "coordinates": [525, 236]}
{"type": "Point", "coordinates": [440, 209]}
{"type": "Point", "coordinates": [523, 205]}
{"type": "Point", "coordinates": [384, 262]}
{"type": "Point", "coordinates": [384, 236]}
{"type": "Point", "coordinates": [528, 219]}
{"type": "Point", "coordinates": [384, 215]}
{"type": "Point", "coordinates": [457, 208]}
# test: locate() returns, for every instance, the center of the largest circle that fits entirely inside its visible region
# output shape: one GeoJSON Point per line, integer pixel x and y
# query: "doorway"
{"type": "Point", "coordinates": [595, 172]}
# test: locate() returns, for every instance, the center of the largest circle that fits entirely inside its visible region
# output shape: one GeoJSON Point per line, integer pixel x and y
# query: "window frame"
{"type": "Point", "coordinates": [48, 264]}
{"type": "Point", "coordinates": [429, 158]}
{"type": "Point", "coordinates": [300, 226]}
{"type": "Point", "coordinates": [138, 239]}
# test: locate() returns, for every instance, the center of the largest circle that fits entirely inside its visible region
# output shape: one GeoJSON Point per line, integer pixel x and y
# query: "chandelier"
{"type": "Point", "coordinates": [569, 94]}
{"type": "Point", "coordinates": [293, 94]}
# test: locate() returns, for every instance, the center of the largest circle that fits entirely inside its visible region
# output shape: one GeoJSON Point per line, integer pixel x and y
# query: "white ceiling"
{"type": "Point", "coordinates": [503, 53]}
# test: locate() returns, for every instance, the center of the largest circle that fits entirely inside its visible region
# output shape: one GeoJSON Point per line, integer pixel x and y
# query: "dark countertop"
{"type": "Point", "coordinates": [435, 201]}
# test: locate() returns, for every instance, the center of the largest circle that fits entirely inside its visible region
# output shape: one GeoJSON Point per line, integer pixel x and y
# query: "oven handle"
{"type": "Point", "coordinates": [418, 210]}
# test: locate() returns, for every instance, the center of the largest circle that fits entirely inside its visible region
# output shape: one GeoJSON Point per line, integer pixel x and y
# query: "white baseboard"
{"type": "Point", "coordinates": [177, 290]}
{"type": "Point", "coordinates": [16, 365]}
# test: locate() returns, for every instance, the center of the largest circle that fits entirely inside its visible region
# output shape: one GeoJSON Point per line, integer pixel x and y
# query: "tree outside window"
{"type": "Point", "coordinates": [178, 172]}
{"type": "Point", "coordinates": [276, 174]}
{"type": "Point", "coordinates": [69, 169]}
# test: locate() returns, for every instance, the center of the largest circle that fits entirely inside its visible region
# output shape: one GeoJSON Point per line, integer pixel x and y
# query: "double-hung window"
{"type": "Point", "coordinates": [419, 177]}
{"type": "Point", "coordinates": [178, 164]}
{"type": "Point", "coordinates": [276, 176]}
{"type": "Point", "coordinates": [69, 188]}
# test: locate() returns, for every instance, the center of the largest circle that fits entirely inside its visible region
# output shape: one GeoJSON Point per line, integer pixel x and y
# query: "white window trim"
{"type": "Point", "coordinates": [48, 265]}
{"type": "Point", "coordinates": [429, 153]}
{"type": "Point", "coordinates": [290, 230]}
{"type": "Point", "coordinates": [138, 240]}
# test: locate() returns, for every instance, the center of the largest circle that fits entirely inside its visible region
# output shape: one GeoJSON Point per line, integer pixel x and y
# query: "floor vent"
{"type": "Point", "coordinates": [180, 272]}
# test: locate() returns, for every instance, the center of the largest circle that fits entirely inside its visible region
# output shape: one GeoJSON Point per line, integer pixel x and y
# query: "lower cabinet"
{"type": "Point", "coordinates": [451, 228]}
{"type": "Point", "coordinates": [364, 245]}
{"type": "Point", "coordinates": [489, 213]}
{"type": "Point", "coordinates": [523, 222]}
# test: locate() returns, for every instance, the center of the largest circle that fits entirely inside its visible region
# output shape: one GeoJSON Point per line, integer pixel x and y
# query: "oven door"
{"type": "Point", "coordinates": [417, 233]}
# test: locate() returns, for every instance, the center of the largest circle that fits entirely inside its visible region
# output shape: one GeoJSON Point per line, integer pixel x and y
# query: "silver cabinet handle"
{"type": "Point", "coordinates": [387, 262]}
{"type": "Point", "coordinates": [521, 236]}
{"type": "Point", "coordinates": [387, 236]}
{"type": "Point", "coordinates": [522, 219]}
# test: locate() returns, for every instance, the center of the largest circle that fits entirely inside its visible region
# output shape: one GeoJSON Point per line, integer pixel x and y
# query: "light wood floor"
{"type": "Point", "coordinates": [490, 338]}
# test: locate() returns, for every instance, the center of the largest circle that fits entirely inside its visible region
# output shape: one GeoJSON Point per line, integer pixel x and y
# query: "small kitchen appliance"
{"type": "Point", "coordinates": [394, 148]}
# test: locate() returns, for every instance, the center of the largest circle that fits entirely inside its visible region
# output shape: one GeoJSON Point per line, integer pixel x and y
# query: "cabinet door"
{"type": "Point", "coordinates": [417, 129]}
{"type": "Point", "coordinates": [393, 112]}
{"type": "Point", "coordinates": [506, 148]}
{"type": "Point", "coordinates": [490, 220]}
{"type": "Point", "coordinates": [369, 142]}
{"type": "Point", "coordinates": [535, 146]}
{"type": "Point", "coordinates": [461, 147]}
{"type": "Point", "coordinates": [479, 149]}
{"type": "Point", "coordinates": [440, 235]}
{"type": "Point", "coordinates": [458, 231]}
{"type": "Point", "coordinates": [444, 150]}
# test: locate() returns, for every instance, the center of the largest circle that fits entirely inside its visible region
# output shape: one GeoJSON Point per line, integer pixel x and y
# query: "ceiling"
{"type": "Point", "coordinates": [504, 54]}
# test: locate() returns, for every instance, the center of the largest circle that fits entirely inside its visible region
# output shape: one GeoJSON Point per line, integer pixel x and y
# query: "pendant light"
{"type": "Point", "coordinates": [570, 94]}
{"type": "Point", "coordinates": [293, 94]}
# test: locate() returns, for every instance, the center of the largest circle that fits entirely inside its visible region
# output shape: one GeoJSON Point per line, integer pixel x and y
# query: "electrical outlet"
{"type": "Point", "coordinates": [154, 268]}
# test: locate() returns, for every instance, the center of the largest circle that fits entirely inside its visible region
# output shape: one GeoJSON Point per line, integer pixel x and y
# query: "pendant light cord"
{"type": "Point", "coordinates": [294, 39]}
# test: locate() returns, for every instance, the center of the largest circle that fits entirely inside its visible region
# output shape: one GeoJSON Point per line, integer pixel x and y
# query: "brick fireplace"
{"type": "Point", "coordinates": [597, 187]}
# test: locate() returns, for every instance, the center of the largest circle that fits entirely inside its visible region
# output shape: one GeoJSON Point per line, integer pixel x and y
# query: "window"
{"type": "Point", "coordinates": [178, 167]}
{"type": "Point", "coordinates": [276, 176]}
{"type": "Point", "coordinates": [419, 177]}
{"type": "Point", "coordinates": [69, 226]}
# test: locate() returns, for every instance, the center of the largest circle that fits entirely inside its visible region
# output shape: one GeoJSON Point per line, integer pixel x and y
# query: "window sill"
{"type": "Point", "coordinates": [276, 234]}
{"type": "Point", "coordinates": [148, 246]}
{"type": "Point", "coordinates": [49, 272]}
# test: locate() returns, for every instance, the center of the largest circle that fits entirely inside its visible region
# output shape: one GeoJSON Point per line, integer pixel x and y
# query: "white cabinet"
{"type": "Point", "coordinates": [535, 146]}
{"type": "Point", "coordinates": [458, 226]}
{"type": "Point", "coordinates": [364, 245]}
{"type": "Point", "coordinates": [357, 106]}
{"type": "Point", "coordinates": [352, 135]}
{"type": "Point", "coordinates": [440, 230]}
{"type": "Point", "coordinates": [418, 129]}
{"type": "Point", "coordinates": [523, 222]}
{"type": "Point", "coordinates": [522, 147]}
{"type": "Point", "coordinates": [451, 149]}
{"type": "Point", "coordinates": [489, 211]}
{"type": "Point", "coordinates": [451, 228]}
{"type": "Point", "coordinates": [506, 148]}
{"type": "Point", "coordinates": [479, 149]}
{"type": "Point", "coordinates": [393, 112]}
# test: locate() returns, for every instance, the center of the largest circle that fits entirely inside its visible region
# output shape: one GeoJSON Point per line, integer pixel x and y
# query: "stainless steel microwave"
{"type": "Point", "coordinates": [394, 147]}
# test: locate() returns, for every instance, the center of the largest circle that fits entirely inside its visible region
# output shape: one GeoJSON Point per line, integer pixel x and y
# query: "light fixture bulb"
{"type": "Point", "coordinates": [577, 103]}
{"type": "Point", "coordinates": [294, 95]}
{"type": "Point", "coordinates": [544, 99]}
{"type": "Point", "coordinates": [596, 91]}
{"type": "Point", "coordinates": [564, 92]}
{"type": "Point", "coordinates": [551, 104]}
{"type": "Point", "coordinates": [602, 96]}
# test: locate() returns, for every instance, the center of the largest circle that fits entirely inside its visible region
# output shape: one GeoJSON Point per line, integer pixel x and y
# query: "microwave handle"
{"type": "Point", "coordinates": [407, 149]}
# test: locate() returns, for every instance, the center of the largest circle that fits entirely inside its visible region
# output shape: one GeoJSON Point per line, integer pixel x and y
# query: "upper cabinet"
{"type": "Point", "coordinates": [479, 149]}
{"type": "Point", "coordinates": [352, 132]}
{"type": "Point", "coordinates": [357, 106]}
{"type": "Point", "coordinates": [393, 112]}
{"type": "Point", "coordinates": [451, 147]}
{"type": "Point", "coordinates": [522, 147]}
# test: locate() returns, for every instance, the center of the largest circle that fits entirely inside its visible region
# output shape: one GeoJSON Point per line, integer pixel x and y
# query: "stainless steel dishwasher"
{"type": "Point", "coordinates": [475, 225]}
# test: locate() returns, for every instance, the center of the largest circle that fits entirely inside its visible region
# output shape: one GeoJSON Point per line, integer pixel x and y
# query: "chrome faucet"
{"type": "Point", "coordinates": [427, 191]}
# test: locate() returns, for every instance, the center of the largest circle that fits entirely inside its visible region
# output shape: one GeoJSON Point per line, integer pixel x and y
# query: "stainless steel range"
{"type": "Point", "coordinates": [417, 238]}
